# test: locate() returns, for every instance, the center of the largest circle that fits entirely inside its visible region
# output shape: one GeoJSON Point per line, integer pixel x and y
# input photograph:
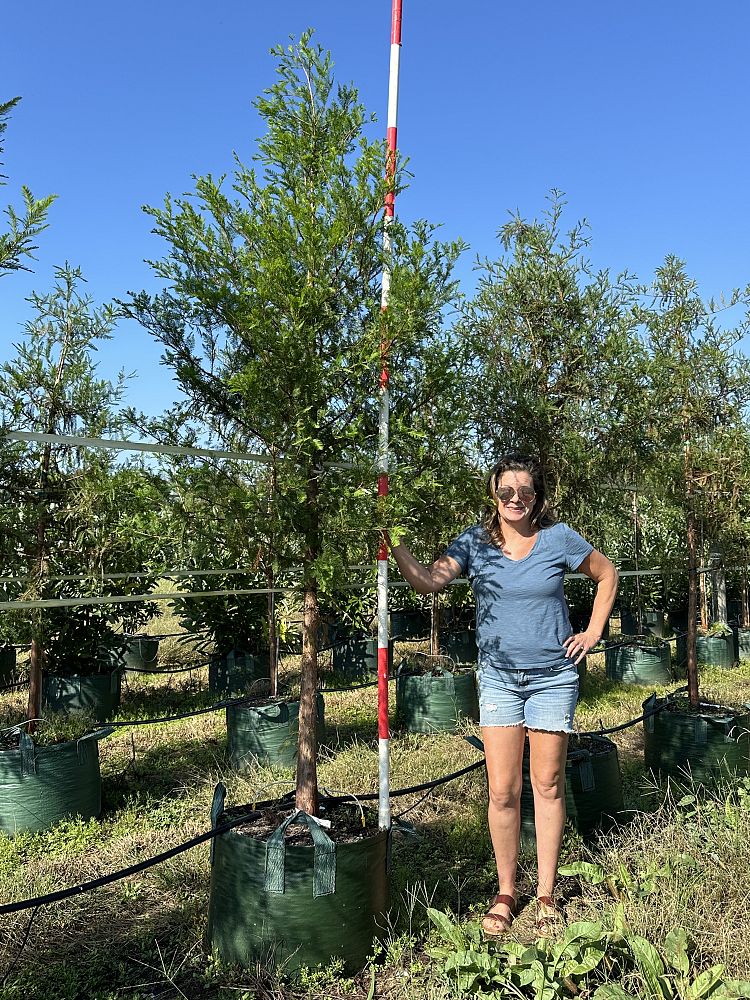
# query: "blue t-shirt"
{"type": "Point", "coordinates": [522, 617]}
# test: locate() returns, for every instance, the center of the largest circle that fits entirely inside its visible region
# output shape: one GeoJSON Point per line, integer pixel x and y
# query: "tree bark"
{"type": "Point", "coordinates": [435, 625]}
{"type": "Point", "coordinates": [692, 547]}
{"type": "Point", "coordinates": [273, 647]}
{"type": "Point", "coordinates": [306, 796]}
{"type": "Point", "coordinates": [36, 664]}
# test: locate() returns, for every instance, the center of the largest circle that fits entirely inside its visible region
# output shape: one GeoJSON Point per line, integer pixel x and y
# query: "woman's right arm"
{"type": "Point", "coordinates": [424, 579]}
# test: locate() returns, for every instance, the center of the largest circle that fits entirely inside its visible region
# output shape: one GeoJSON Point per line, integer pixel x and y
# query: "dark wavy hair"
{"type": "Point", "coordinates": [541, 513]}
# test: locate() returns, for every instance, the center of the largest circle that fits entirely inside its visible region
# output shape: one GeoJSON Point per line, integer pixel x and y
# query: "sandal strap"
{"type": "Point", "coordinates": [506, 900]}
{"type": "Point", "coordinates": [547, 901]}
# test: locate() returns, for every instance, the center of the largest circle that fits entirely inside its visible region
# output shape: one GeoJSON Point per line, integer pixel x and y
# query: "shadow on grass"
{"type": "Point", "coordinates": [162, 768]}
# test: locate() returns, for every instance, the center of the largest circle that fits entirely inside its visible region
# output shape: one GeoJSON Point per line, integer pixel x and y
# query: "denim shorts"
{"type": "Point", "coordinates": [536, 697]}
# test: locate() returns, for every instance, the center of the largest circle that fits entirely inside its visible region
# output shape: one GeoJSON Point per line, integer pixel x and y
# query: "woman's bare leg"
{"type": "Point", "coordinates": [548, 756]}
{"type": "Point", "coordinates": [503, 748]}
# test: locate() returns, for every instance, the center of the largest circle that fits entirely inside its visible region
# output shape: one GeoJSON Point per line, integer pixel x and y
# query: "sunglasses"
{"type": "Point", "coordinates": [525, 494]}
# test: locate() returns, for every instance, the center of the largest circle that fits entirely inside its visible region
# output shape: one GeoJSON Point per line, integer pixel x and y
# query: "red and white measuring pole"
{"type": "Point", "coordinates": [384, 799]}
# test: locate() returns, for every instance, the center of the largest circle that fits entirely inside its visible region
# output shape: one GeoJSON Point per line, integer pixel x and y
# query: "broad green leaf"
{"type": "Point", "coordinates": [449, 931]}
{"type": "Point", "coordinates": [611, 991]}
{"type": "Point", "coordinates": [591, 873]}
{"type": "Point", "coordinates": [675, 950]}
{"type": "Point", "coordinates": [705, 984]}
{"type": "Point", "coordinates": [650, 967]}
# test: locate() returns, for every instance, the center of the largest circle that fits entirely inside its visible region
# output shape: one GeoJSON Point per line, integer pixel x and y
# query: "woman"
{"type": "Point", "coordinates": [516, 561]}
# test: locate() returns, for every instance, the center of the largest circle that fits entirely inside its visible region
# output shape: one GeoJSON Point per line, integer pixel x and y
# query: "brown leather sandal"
{"type": "Point", "coordinates": [502, 924]}
{"type": "Point", "coordinates": [551, 922]}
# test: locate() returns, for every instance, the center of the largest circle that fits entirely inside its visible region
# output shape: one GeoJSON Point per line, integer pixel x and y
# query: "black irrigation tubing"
{"type": "Point", "coordinates": [224, 704]}
{"type": "Point", "coordinates": [96, 883]}
{"type": "Point", "coordinates": [168, 670]}
{"type": "Point", "coordinates": [182, 715]}
{"type": "Point", "coordinates": [77, 890]}
{"type": "Point", "coordinates": [352, 687]}
{"type": "Point", "coordinates": [640, 718]}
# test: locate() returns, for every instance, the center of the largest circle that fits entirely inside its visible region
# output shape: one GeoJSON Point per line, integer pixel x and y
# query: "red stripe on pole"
{"type": "Point", "coordinates": [383, 484]}
{"type": "Point", "coordinates": [396, 23]}
{"type": "Point", "coordinates": [383, 730]}
{"type": "Point", "coordinates": [391, 137]}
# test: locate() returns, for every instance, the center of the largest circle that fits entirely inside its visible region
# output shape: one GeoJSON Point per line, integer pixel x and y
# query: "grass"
{"type": "Point", "coordinates": [143, 937]}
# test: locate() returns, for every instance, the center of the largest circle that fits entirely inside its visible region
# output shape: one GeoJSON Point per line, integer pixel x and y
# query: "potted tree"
{"type": "Point", "coordinates": [699, 387]}
{"type": "Point", "coordinates": [271, 320]}
{"type": "Point", "coordinates": [50, 387]}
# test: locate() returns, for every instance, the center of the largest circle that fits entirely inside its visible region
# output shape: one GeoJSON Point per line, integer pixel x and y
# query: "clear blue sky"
{"type": "Point", "coordinates": [638, 112]}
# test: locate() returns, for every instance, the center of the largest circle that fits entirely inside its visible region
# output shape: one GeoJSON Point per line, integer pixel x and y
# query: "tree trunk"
{"type": "Point", "coordinates": [692, 547]}
{"type": "Point", "coordinates": [273, 646]}
{"type": "Point", "coordinates": [307, 770]}
{"type": "Point", "coordinates": [36, 664]}
{"type": "Point", "coordinates": [435, 625]}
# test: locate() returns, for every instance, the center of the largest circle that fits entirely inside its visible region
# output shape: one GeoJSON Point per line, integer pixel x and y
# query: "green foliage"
{"type": "Point", "coordinates": [271, 315]}
{"type": "Point", "coordinates": [17, 244]}
{"type": "Point", "coordinates": [717, 630]}
{"type": "Point", "coordinates": [555, 364]}
{"type": "Point", "coordinates": [77, 514]}
{"type": "Point", "coordinates": [584, 958]}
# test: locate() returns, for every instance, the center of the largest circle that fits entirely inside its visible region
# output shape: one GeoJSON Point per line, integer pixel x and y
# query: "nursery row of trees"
{"type": "Point", "coordinates": [633, 394]}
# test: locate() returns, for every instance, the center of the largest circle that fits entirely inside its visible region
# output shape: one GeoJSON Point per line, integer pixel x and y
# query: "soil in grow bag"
{"type": "Point", "coordinates": [639, 663]}
{"type": "Point", "coordinates": [7, 663]}
{"type": "Point", "coordinates": [706, 743]}
{"type": "Point", "coordinates": [433, 694]}
{"type": "Point", "coordinates": [234, 673]}
{"type": "Point", "coordinates": [42, 784]}
{"type": "Point", "coordinates": [266, 730]}
{"type": "Point", "coordinates": [296, 895]}
{"type": "Point", "coordinates": [356, 658]}
{"type": "Point", "coordinates": [593, 787]}
{"type": "Point", "coordinates": [98, 694]}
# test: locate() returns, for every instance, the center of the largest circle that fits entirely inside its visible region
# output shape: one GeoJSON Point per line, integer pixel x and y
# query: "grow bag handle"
{"type": "Point", "coordinates": [28, 755]}
{"type": "Point", "coordinates": [97, 734]}
{"type": "Point", "coordinates": [324, 857]}
{"type": "Point", "coordinates": [217, 808]}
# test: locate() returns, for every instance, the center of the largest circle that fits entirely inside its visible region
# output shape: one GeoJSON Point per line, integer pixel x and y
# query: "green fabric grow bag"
{"type": "Point", "coordinates": [40, 785]}
{"type": "Point", "coordinates": [267, 733]}
{"type": "Point", "coordinates": [743, 643]}
{"type": "Point", "coordinates": [296, 905]}
{"type": "Point", "coordinates": [141, 652]}
{"type": "Point", "coordinates": [410, 625]}
{"type": "Point", "coordinates": [593, 788]}
{"type": "Point", "coordinates": [635, 664]}
{"type": "Point", "coordinates": [715, 651]}
{"type": "Point", "coordinates": [7, 663]}
{"type": "Point", "coordinates": [95, 693]}
{"type": "Point", "coordinates": [706, 746]}
{"type": "Point", "coordinates": [235, 672]}
{"type": "Point", "coordinates": [357, 658]}
{"type": "Point", "coordinates": [460, 646]}
{"type": "Point", "coordinates": [428, 704]}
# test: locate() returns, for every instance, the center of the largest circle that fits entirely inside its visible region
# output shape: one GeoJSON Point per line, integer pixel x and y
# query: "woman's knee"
{"type": "Point", "coordinates": [549, 784]}
{"type": "Point", "coordinates": [505, 795]}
